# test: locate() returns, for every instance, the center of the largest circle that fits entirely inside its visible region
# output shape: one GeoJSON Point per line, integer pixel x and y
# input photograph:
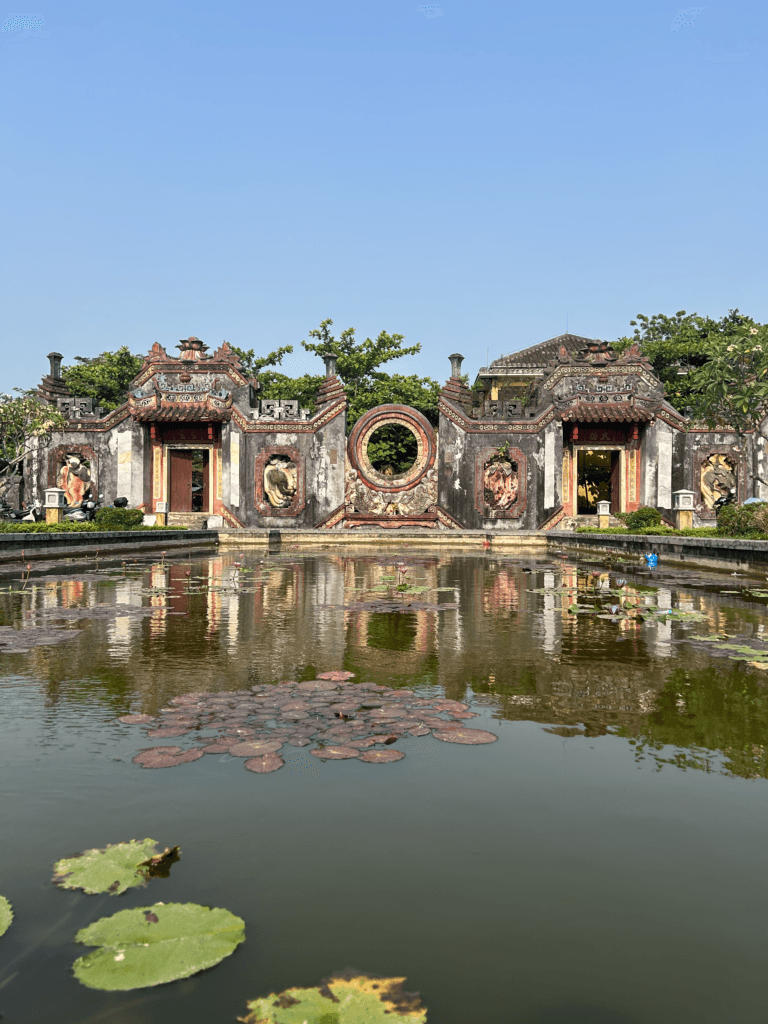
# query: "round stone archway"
{"type": "Point", "coordinates": [386, 415]}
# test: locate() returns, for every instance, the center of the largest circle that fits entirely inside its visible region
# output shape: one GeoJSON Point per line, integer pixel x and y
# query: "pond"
{"type": "Point", "coordinates": [602, 862]}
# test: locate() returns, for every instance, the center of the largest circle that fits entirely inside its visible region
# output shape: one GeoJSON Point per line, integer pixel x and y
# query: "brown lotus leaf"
{"type": "Point", "coordinates": [255, 748]}
{"type": "Point", "coordinates": [464, 715]}
{"type": "Point", "coordinates": [266, 763]}
{"type": "Point", "coordinates": [171, 760]}
{"type": "Point", "coordinates": [381, 756]}
{"type": "Point", "coordinates": [335, 752]}
{"type": "Point", "coordinates": [385, 738]}
{"type": "Point", "coordinates": [420, 730]}
{"type": "Point", "coordinates": [294, 716]}
{"type": "Point", "coordinates": [315, 684]}
{"type": "Point", "coordinates": [299, 741]}
{"type": "Point", "coordinates": [216, 748]}
{"type": "Point", "coordinates": [136, 719]}
{"type": "Point", "coordinates": [337, 675]}
{"type": "Point", "coordinates": [450, 705]}
{"type": "Point", "coordinates": [363, 743]}
{"type": "Point", "coordinates": [461, 735]}
{"type": "Point", "coordinates": [155, 752]}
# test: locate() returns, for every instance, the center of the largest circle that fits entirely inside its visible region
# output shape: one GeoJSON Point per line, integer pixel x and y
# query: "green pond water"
{"type": "Point", "coordinates": [603, 862]}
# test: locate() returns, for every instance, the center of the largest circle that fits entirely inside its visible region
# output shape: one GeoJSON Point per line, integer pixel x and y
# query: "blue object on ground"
{"type": "Point", "coordinates": [652, 561]}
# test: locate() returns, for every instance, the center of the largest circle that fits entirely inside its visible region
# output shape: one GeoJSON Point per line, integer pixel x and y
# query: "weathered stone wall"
{"type": "Point", "coordinates": [463, 452]}
{"type": "Point", "coordinates": [119, 454]}
{"type": "Point", "coordinates": [319, 456]}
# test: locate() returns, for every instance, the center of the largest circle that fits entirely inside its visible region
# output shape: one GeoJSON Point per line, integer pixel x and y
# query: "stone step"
{"type": "Point", "coordinates": [574, 522]}
{"type": "Point", "coordinates": [192, 520]}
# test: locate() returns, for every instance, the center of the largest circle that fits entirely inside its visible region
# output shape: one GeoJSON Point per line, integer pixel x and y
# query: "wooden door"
{"type": "Point", "coordinates": [615, 481]}
{"type": "Point", "coordinates": [180, 483]}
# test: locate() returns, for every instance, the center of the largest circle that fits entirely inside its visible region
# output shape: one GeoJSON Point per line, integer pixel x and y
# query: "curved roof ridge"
{"type": "Point", "coordinates": [541, 354]}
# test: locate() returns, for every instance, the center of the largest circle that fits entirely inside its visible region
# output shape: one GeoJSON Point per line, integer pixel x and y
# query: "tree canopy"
{"type": "Point", "coordinates": [358, 366]}
{"type": "Point", "coordinates": [680, 346]}
{"type": "Point", "coordinates": [104, 378]}
{"type": "Point", "coordinates": [25, 422]}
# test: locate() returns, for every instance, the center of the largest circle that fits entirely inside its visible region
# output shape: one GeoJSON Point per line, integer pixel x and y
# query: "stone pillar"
{"type": "Point", "coordinates": [55, 504]}
{"type": "Point", "coordinates": [456, 361]}
{"type": "Point", "coordinates": [603, 514]}
{"type": "Point", "coordinates": [683, 509]}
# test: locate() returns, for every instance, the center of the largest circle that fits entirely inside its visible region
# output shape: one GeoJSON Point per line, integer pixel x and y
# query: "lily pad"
{"type": "Point", "coordinates": [381, 756]}
{"type": "Point", "coordinates": [6, 915]}
{"type": "Point", "coordinates": [154, 945]}
{"type": "Point", "coordinates": [116, 868]}
{"type": "Point", "coordinates": [342, 999]}
{"type": "Point", "coordinates": [460, 735]}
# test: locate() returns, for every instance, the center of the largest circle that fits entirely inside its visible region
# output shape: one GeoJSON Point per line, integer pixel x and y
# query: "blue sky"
{"type": "Point", "coordinates": [469, 176]}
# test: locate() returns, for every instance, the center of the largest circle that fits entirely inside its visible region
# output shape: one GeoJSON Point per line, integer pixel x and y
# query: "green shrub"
{"type": "Point", "coordinates": [17, 527]}
{"type": "Point", "coordinates": [743, 520]}
{"type": "Point", "coordinates": [642, 518]}
{"type": "Point", "coordinates": [119, 518]}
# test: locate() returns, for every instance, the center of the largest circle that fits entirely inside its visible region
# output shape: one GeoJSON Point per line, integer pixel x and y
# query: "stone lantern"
{"type": "Point", "coordinates": [603, 514]}
{"type": "Point", "coordinates": [55, 504]}
{"type": "Point", "coordinates": [683, 509]}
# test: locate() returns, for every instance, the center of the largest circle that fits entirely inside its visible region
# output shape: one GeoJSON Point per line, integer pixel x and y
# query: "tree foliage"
{"type": "Point", "coordinates": [105, 378]}
{"type": "Point", "coordinates": [25, 423]}
{"type": "Point", "coordinates": [680, 346]}
{"type": "Point", "coordinates": [733, 383]}
{"type": "Point", "coordinates": [358, 366]}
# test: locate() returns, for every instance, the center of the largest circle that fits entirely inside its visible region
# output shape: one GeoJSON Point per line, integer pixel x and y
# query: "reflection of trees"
{"type": "Point", "coordinates": [512, 642]}
{"type": "Point", "coordinates": [710, 710]}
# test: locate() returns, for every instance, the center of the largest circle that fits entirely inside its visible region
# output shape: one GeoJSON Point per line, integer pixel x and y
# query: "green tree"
{"type": "Point", "coordinates": [25, 423]}
{"type": "Point", "coordinates": [733, 385]}
{"type": "Point", "coordinates": [272, 383]}
{"type": "Point", "coordinates": [358, 366]}
{"type": "Point", "coordinates": [105, 378]}
{"type": "Point", "coordinates": [680, 346]}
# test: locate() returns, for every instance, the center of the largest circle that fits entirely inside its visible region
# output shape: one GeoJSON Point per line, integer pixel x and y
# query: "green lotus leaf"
{"type": "Point", "coordinates": [342, 999]}
{"type": "Point", "coordinates": [115, 868]}
{"type": "Point", "coordinates": [6, 915]}
{"type": "Point", "coordinates": [154, 945]}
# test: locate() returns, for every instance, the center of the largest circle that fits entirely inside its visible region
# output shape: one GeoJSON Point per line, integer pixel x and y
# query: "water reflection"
{"type": "Point", "coordinates": [570, 646]}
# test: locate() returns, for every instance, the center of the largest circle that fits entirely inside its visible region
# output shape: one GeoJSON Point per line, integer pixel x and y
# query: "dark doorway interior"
{"type": "Point", "coordinates": [598, 479]}
{"type": "Point", "coordinates": [189, 483]}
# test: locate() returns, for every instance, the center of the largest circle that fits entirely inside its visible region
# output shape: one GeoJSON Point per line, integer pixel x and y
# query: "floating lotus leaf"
{"type": "Point", "coordinates": [343, 999]}
{"type": "Point", "coordinates": [115, 868]}
{"type": "Point", "coordinates": [6, 915]}
{"type": "Point", "coordinates": [154, 945]}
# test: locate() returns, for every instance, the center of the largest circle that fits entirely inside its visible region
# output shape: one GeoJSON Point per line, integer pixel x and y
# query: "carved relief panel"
{"type": "Point", "coordinates": [279, 482]}
{"type": "Point", "coordinates": [501, 483]}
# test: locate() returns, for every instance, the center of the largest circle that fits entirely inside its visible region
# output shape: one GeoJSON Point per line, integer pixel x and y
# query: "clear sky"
{"type": "Point", "coordinates": [472, 175]}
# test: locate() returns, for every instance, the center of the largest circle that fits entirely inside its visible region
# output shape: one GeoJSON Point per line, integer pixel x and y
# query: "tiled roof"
{"type": "Point", "coordinates": [614, 412]}
{"type": "Point", "coordinates": [538, 356]}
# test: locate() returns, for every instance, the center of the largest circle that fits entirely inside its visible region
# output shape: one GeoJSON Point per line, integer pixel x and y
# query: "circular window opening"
{"type": "Point", "coordinates": [392, 449]}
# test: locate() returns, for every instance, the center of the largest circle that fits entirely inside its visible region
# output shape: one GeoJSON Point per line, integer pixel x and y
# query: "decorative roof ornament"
{"type": "Point", "coordinates": [596, 352]}
{"type": "Point", "coordinates": [192, 349]}
{"type": "Point", "coordinates": [157, 354]}
{"type": "Point", "coordinates": [225, 354]}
